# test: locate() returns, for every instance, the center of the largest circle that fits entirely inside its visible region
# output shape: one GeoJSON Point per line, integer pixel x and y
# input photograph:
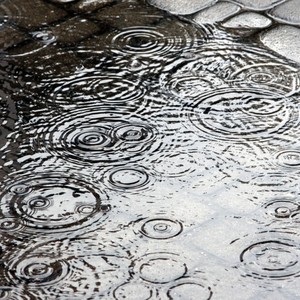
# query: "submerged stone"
{"type": "Point", "coordinates": [216, 13]}
{"type": "Point", "coordinates": [258, 4]}
{"type": "Point", "coordinates": [248, 20]}
{"type": "Point", "coordinates": [182, 7]}
{"type": "Point", "coordinates": [287, 12]}
{"type": "Point", "coordinates": [284, 40]}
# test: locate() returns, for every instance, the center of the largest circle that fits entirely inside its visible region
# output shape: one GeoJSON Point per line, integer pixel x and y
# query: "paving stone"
{"type": "Point", "coordinates": [283, 39]}
{"type": "Point", "coordinates": [248, 20]}
{"type": "Point", "coordinates": [258, 4]}
{"type": "Point", "coordinates": [90, 5]}
{"type": "Point", "coordinates": [10, 36]}
{"type": "Point", "coordinates": [30, 14]}
{"type": "Point", "coordinates": [74, 30]}
{"type": "Point", "coordinates": [216, 13]}
{"type": "Point", "coordinates": [287, 12]}
{"type": "Point", "coordinates": [182, 7]}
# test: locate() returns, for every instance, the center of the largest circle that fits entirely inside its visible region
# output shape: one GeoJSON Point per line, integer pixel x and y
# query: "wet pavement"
{"type": "Point", "coordinates": [149, 150]}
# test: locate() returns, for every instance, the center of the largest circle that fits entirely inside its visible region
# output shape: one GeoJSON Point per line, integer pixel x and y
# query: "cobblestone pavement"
{"type": "Point", "coordinates": [149, 149]}
{"type": "Point", "coordinates": [275, 22]}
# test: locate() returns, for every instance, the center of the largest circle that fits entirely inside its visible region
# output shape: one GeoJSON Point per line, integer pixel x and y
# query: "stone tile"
{"type": "Point", "coordinates": [182, 7]}
{"type": "Point", "coordinates": [216, 13]}
{"type": "Point", "coordinates": [248, 20]}
{"type": "Point", "coordinates": [258, 4]}
{"type": "Point", "coordinates": [287, 12]}
{"type": "Point", "coordinates": [284, 40]}
{"type": "Point", "coordinates": [30, 14]}
{"type": "Point", "coordinates": [85, 6]}
{"type": "Point", "coordinates": [10, 36]}
{"type": "Point", "coordinates": [74, 30]}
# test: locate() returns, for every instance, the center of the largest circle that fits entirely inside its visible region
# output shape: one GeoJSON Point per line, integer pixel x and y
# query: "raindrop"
{"type": "Point", "coordinates": [126, 178]}
{"type": "Point", "coordinates": [160, 268]}
{"type": "Point", "coordinates": [241, 114]}
{"type": "Point", "coordinates": [133, 291]}
{"type": "Point", "coordinates": [156, 41]}
{"type": "Point", "coordinates": [38, 271]}
{"type": "Point", "coordinates": [288, 158]}
{"type": "Point", "coordinates": [271, 259]}
{"type": "Point", "coordinates": [161, 228]}
{"type": "Point", "coordinates": [54, 203]}
{"type": "Point", "coordinates": [271, 76]}
{"type": "Point", "coordinates": [281, 208]}
{"type": "Point", "coordinates": [87, 137]}
{"type": "Point", "coordinates": [189, 290]}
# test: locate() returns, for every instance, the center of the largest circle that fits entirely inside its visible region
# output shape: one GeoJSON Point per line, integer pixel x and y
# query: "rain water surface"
{"type": "Point", "coordinates": [144, 157]}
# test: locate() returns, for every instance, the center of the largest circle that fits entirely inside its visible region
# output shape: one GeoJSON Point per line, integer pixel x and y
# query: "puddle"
{"type": "Point", "coordinates": [144, 156]}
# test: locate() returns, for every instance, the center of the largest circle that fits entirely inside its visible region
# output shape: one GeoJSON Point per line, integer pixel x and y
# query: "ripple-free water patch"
{"type": "Point", "coordinates": [51, 202]}
{"type": "Point", "coordinates": [241, 114]}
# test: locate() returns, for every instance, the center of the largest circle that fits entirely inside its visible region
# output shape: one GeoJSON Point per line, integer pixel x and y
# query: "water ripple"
{"type": "Point", "coordinates": [242, 114]}
{"type": "Point", "coordinates": [50, 203]}
{"type": "Point", "coordinates": [93, 136]}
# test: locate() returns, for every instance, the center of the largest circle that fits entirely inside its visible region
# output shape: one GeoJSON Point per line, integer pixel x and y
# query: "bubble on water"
{"type": "Point", "coordinates": [288, 158]}
{"type": "Point", "coordinates": [160, 228]}
{"type": "Point", "coordinates": [91, 136]}
{"type": "Point", "coordinates": [160, 268]}
{"type": "Point", "coordinates": [271, 259]}
{"type": "Point", "coordinates": [189, 290]}
{"type": "Point", "coordinates": [54, 203]}
{"type": "Point", "coordinates": [133, 291]}
{"type": "Point", "coordinates": [241, 114]}
{"type": "Point", "coordinates": [94, 89]}
{"type": "Point", "coordinates": [272, 76]}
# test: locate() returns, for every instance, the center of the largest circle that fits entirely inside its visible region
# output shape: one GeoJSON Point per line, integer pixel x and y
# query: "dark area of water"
{"type": "Point", "coordinates": [144, 157]}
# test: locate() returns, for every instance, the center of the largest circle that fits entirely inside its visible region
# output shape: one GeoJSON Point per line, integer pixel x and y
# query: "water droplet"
{"type": "Point", "coordinates": [271, 259]}
{"type": "Point", "coordinates": [241, 114]}
{"type": "Point", "coordinates": [161, 228]}
{"type": "Point", "coordinates": [160, 268]}
{"type": "Point", "coordinates": [39, 271]}
{"type": "Point", "coordinates": [189, 290]}
{"type": "Point", "coordinates": [288, 158]}
{"type": "Point", "coordinates": [272, 76]}
{"type": "Point", "coordinates": [133, 291]}
{"type": "Point", "coordinates": [89, 136]}
{"type": "Point", "coordinates": [127, 178]}
{"type": "Point", "coordinates": [155, 41]}
{"type": "Point", "coordinates": [281, 208]}
{"type": "Point", "coordinates": [54, 203]}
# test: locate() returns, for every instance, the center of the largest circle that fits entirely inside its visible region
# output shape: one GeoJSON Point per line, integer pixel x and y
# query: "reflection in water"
{"type": "Point", "coordinates": [144, 157]}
